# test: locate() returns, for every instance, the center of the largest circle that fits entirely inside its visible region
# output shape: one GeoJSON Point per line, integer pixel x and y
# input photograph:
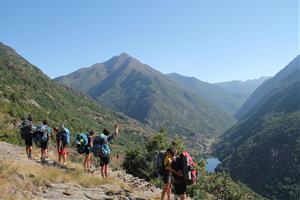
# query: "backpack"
{"type": "Point", "coordinates": [82, 141]}
{"type": "Point", "coordinates": [160, 165]}
{"type": "Point", "coordinates": [100, 146]}
{"type": "Point", "coordinates": [26, 128]}
{"type": "Point", "coordinates": [189, 171]}
{"type": "Point", "coordinates": [41, 134]}
{"type": "Point", "coordinates": [65, 136]}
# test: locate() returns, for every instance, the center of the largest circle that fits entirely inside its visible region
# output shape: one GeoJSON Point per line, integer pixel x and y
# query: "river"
{"type": "Point", "coordinates": [212, 163]}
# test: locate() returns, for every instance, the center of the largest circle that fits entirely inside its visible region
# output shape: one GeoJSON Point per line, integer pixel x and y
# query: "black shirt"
{"type": "Point", "coordinates": [177, 166]}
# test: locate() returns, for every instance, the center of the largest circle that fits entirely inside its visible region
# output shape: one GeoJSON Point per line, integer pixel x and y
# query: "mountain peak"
{"type": "Point", "coordinates": [124, 55]}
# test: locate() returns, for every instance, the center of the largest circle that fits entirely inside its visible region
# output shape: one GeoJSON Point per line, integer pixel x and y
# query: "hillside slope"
{"type": "Point", "coordinates": [268, 86]}
{"type": "Point", "coordinates": [137, 90]}
{"type": "Point", "coordinates": [229, 96]}
{"type": "Point", "coordinates": [242, 89]}
{"type": "Point", "coordinates": [21, 178]}
{"type": "Point", "coordinates": [29, 179]}
{"type": "Point", "coordinates": [25, 89]}
{"type": "Point", "coordinates": [263, 149]}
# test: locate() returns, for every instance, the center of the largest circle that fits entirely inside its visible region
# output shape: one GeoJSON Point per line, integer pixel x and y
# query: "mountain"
{"type": "Point", "coordinates": [263, 149]}
{"type": "Point", "coordinates": [242, 89]}
{"type": "Point", "coordinates": [266, 87]}
{"type": "Point", "coordinates": [25, 89]}
{"type": "Point", "coordinates": [229, 96]}
{"type": "Point", "coordinates": [126, 85]}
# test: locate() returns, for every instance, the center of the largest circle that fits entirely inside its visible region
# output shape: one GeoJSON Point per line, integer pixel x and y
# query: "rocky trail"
{"type": "Point", "coordinates": [119, 186]}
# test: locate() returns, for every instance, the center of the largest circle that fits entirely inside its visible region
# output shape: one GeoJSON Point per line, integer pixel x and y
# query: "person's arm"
{"type": "Point", "coordinates": [178, 173]}
{"type": "Point", "coordinates": [116, 129]}
{"type": "Point", "coordinates": [109, 138]}
{"type": "Point", "coordinates": [90, 142]}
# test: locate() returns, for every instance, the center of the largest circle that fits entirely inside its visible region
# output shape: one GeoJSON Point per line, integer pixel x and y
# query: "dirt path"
{"type": "Point", "coordinates": [120, 186]}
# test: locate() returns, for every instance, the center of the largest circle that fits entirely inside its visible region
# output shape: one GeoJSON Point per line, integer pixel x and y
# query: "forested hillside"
{"type": "Point", "coordinates": [139, 91]}
{"type": "Point", "coordinates": [24, 90]}
{"type": "Point", "coordinates": [263, 149]}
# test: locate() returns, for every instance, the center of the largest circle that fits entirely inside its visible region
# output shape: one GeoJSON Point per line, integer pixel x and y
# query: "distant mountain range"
{"type": "Point", "coordinates": [263, 149]}
{"type": "Point", "coordinates": [229, 96]}
{"type": "Point", "coordinates": [24, 90]}
{"type": "Point", "coordinates": [268, 86]}
{"type": "Point", "coordinates": [126, 85]}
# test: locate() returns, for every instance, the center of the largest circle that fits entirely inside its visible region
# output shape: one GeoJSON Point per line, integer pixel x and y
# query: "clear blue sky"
{"type": "Point", "coordinates": [213, 40]}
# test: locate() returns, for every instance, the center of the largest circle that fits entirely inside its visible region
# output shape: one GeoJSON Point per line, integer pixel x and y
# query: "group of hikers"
{"type": "Point", "coordinates": [87, 143]}
{"type": "Point", "coordinates": [175, 170]}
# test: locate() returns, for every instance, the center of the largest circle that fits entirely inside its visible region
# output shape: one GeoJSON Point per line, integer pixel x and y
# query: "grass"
{"type": "Point", "coordinates": [20, 179]}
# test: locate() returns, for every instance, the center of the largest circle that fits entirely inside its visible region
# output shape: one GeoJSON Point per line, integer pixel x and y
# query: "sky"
{"type": "Point", "coordinates": [213, 40]}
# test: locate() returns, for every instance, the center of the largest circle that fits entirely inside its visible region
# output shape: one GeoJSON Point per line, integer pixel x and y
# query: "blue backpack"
{"type": "Point", "coordinates": [100, 146]}
{"type": "Point", "coordinates": [65, 136]}
{"type": "Point", "coordinates": [82, 141]}
{"type": "Point", "coordinates": [41, 134]}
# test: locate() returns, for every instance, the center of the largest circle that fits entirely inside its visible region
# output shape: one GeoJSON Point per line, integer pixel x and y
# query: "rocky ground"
{"type": "Point", "coordinates": [16, 183]}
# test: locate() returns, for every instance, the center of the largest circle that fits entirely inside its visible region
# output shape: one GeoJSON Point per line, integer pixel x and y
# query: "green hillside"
{"type": "Point", "coordinates": [25, 89]}
{"type": "Point", "coordinates": [263, 149]}
{"type": "Point", "coordinates": [137, 90]}
{"type": "Point", "coordinates": [267, 86]}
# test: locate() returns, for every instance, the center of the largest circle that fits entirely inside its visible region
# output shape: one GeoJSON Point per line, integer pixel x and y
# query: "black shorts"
{"type": "Point", "coordinates": [88, 150]}
{"type": "Point", "coordinates": [28, 141]}
{"type": "Point", "coordinates": [167, 178]}
{"type": "Point", "coordinates": [179, 188]}
{"type": "Point", "coordinates": [44, 145]}
{"type": "Point", "coordinates": [104, 161]}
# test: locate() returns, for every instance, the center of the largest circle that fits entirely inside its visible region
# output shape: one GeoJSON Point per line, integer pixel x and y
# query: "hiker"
{"type": "Point", "coordinates": [42, 138]}
{"type": "Point", "coordinates": [62, 139]}
{"type": "Point", "coordinates": [167, 176]}
{"type": "Point", "coordinates": [105, 138]}
{"type": "Point", "coordinates": [178, 178]}
{"type": "Point", "coordinates": [88, 152]}
{"type": "Point", "coordinates": [27, 129]}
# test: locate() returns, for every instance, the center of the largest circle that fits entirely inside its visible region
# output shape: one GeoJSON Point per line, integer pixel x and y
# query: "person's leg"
{"type": "Point", "coordinates": [102, 164]}
{"type": "Point", "coordinates": [106, 167]}
{"type": "Point", "coordinates": [164, 191]}
{"type": "Point", "coordinates": [169, 191]}
{"type": "Point", "coordinates": [46, 152]}
{"type": "Point", "coordinates": [182, 197]}
{"type": "Point", "coordinates": [85, 163]}
{"type": "Point", "coordinates": [30, 152]}
{"type": "Point", "coordinates": [42, 153]}
{"type": "Point", "coordinates": [102, 172]}
{"type": "Point", "coordinates": [88, 162]}
{"type": "Point", "coordinates": [65, 155]}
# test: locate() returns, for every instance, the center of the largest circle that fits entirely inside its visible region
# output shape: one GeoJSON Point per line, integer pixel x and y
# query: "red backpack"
{"type": "Point", "coordinates": [189, 170]}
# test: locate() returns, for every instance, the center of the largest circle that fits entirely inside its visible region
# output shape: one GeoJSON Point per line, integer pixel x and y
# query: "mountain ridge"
{"type": "Point", "coordinates": [25, 89]}
{"type": "Point", "coordinates": [267, 86]}
{"type": "Point", "coordinates": [261, 150]}
{"type": "Point", "coordinates": [229, 96]}
{"type": "Point", "coordinates": [143, 93]}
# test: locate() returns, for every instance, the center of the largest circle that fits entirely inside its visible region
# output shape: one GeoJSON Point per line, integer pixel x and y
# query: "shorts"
{"type": "Point", "coordinates": [44, 145]}
{"type": "Point", "coordinates": [88, 150]}
{"type": "Point", "coordinates": [179, 189]}
{"type": "Point", "coordinates": [104, 161]}
{"type": "Point", "coordinates": [28, 141]}
{"type": "Point", "coordinates": [167, 178]}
